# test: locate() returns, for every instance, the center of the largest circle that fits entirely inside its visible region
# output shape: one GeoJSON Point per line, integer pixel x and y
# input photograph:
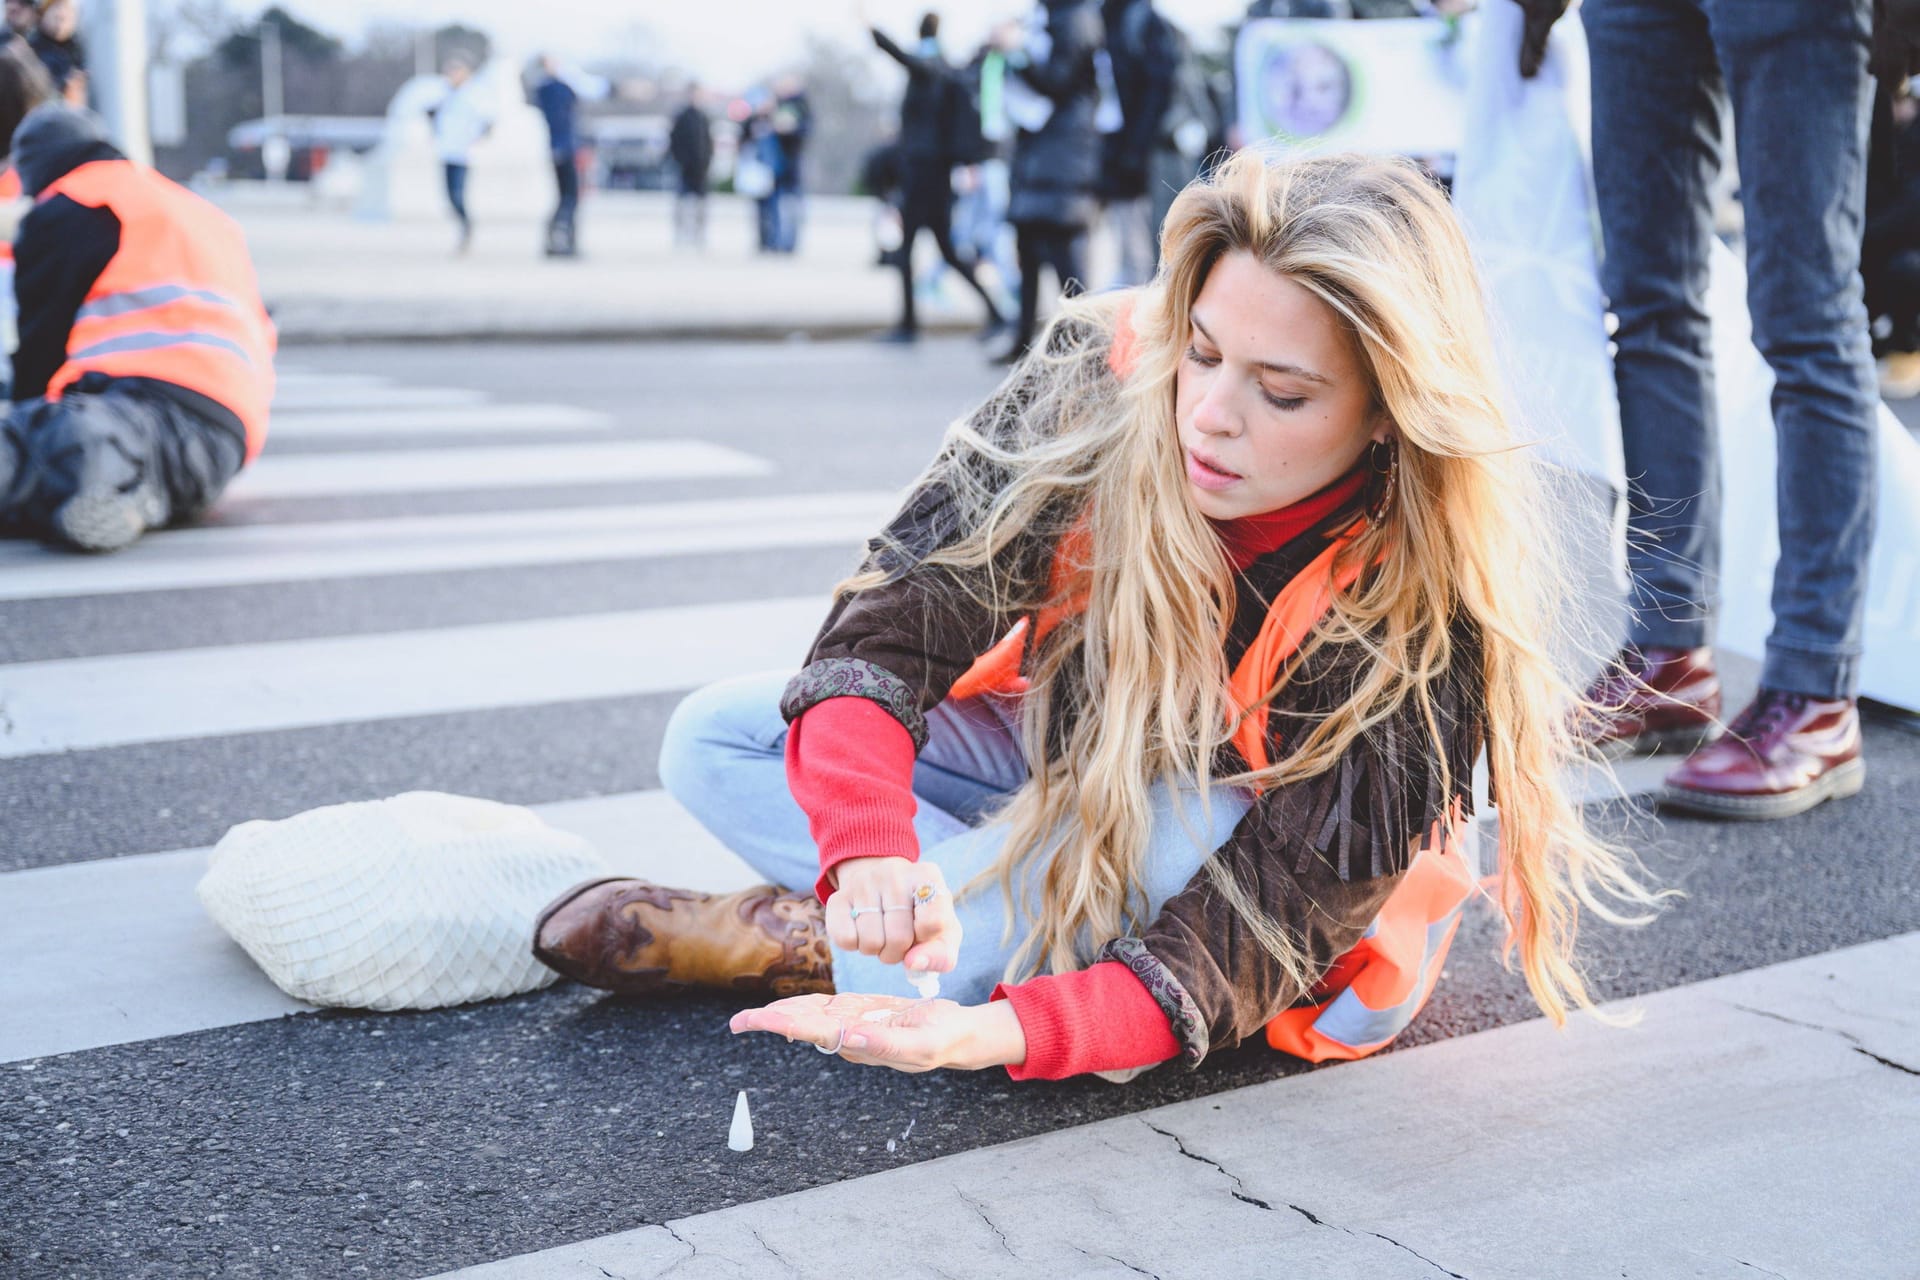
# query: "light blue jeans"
{"type": "Point", "coordinates": [724, 759]}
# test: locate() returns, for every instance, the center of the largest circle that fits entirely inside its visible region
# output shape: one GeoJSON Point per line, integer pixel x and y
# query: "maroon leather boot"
{"type": "Point", "coordinates": [1655, 699]}
{"type": "Point", "coordinates": [1783, 755]}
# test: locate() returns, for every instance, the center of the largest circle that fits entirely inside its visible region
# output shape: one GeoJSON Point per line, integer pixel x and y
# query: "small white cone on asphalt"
{"type": "Point", "coordinates": [740, 1135]}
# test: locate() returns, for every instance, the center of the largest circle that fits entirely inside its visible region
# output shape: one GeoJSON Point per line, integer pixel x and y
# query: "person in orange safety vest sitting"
{"type": "Point", "coordinates": [144, 371]}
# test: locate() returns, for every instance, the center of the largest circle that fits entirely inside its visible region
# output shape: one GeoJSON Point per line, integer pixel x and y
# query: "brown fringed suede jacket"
{"type": "Point", "coordinates": [1320, 855]}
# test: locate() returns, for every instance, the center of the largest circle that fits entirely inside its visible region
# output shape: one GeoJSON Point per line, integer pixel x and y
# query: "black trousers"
{"type": "Point", "coordinates": [111, 433]}
{"type": "Point", "coordinates": [1060, 245]}
{"type": "Point", "coordinates": [927, 205]}
{"type": "Point", "coordinates": [566, 178]}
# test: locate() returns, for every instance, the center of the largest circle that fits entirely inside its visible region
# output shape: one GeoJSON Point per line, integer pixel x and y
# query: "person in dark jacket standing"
{"type": "Point", "coordinates": [1053, 95]}
{"type": "Point", "coordinates": [926, 162]}
{"type": "Point", "coordinates": [145, 367]}
{"type": "Point", "coordinates": [1145, 55]}
{"type": "Point", "coordinates": [559, 104]}
{"type": "Point", "coordinates": [690, 141]}
{"type": "Point", "coordinates": [56, 40]}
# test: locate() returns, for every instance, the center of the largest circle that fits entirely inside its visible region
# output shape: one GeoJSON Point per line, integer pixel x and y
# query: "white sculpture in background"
{"type": "Point", "coordinates": [1523, 187]}
{"type": "Point", "coordinates": [510, 175]}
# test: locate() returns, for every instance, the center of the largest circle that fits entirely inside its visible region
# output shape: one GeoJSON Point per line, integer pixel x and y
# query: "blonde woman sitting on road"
{"type": "Point", "coordinates": [1175, 666]}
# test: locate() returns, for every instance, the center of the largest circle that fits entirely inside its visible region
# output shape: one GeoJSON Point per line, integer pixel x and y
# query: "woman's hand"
{"type": "Point", "coordinates": [896, 921]}
{"type": "Point", "coordinates": [914, 1035]}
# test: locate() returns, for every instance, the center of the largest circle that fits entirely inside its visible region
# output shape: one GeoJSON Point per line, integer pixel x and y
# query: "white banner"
{"type": "Point", "coordinates": [1524, 190]}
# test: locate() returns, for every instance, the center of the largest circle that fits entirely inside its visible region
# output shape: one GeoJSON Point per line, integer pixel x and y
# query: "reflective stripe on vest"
{"type": "Point", "coordinates": [177, 303]}
{"type": "Point", "coordinates": [1372, 993]}
{"type": "Point", "coordinates": [120, 304]}
{"type": "Point", "coordinates": [10, 191]}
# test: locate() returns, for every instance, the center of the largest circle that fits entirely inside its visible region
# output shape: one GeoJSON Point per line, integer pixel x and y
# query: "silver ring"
{"type": "Point", "coordinates": [853, 913]}
{"type": "Point", "coordinates": [836, 1048]}
{"type": "Point", "coordinates": [906, 908]}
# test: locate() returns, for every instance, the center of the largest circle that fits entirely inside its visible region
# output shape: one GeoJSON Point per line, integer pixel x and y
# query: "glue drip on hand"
{"type": "Point", "coordinates": [927, 983]}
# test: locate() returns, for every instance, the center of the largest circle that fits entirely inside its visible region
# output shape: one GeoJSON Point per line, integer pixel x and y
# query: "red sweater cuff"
{"type": "Point", "coordinates": [1099, 1019]}
{"type": "Point", "coordinates": [850, 768]}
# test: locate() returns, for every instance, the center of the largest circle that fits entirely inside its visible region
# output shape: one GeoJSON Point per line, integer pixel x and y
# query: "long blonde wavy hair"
{"type": "Point", "coordinates": [1132, 691]}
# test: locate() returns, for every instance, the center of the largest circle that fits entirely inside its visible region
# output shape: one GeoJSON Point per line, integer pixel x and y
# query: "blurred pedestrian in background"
{"type": "Point", "coordinates": [560, 106]}
{"type": "Point", "coordinates": [792, 126]}
{"type": "Point", "coordinates": [56, 39]}
{"type": "Point", "coordinates": [982, 180]}
{"type": "Point", "coordinates": [460, 120]}
{"type": "Point", "coordinates": [756, 168]}
{"type": "Point", "coordinates": [690, 141]}
{"type": "Point", "coordinates": [1794, 73]}
{"type": "Point", "coordinates": [932, 113]}
{"type": "Point", "coordinates": [1890, 251]}
{"type": "Point", "coordinates": [1052, 97]}
{"type": "Point", "coordinates": [23, 86]}
{"type": "Point", "coordinates": [145, 366]}
{"type": "Point", "coordinates": [23, 18]}
{"type": "Point", "coordinates": [1145, 55]}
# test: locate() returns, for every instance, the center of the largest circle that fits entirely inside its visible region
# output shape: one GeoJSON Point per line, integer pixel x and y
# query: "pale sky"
{"type": "Point", "coordinates": [726, 42]}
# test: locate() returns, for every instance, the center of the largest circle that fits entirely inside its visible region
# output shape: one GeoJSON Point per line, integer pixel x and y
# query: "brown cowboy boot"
{"type": "Point", "coordinates": [638, 938]}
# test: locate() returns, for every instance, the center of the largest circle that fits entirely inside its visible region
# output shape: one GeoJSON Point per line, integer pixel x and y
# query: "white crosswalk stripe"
{"type": "Point", "coordinates": [79, 704]}
{"type": "Point", "coordinates": [373, 396]}
{"type": "Point", "coordinates": [494, 467]}
{"type": "Point", "coordinates": [210, 557]}
{"type": "Point", "coordinates": [381, 424]}
{"type": "Point", "coordinates": [107, 952]}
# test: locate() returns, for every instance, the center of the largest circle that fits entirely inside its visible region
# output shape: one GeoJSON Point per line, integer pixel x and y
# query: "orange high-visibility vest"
{"type": "Point", "coordinates": [10, 191]}
{"type": "Point", "coordinates": [178, 302]}
{"type": "Point", "coordinates": [1373, 991]}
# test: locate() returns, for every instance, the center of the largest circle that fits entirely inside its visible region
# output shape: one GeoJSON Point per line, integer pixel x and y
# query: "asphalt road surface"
{"type": "Point", "coordinates": [343, 629]}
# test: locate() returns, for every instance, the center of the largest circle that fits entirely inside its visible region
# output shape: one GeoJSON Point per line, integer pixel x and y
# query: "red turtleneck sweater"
{"type": "Point", "coordinates": [850, 767]}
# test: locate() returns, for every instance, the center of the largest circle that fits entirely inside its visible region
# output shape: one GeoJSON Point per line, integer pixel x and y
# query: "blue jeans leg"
{"type": "Point", "coordinates": [723, 757]}
{"type": "Point", "coordinates": [1657, 100]}
{"type": "Point", "coordinates": [1797, 74]}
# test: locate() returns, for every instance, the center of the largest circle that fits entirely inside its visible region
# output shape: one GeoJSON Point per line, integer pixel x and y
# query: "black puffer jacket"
{"type": "Point", "coordinates": [1056, 171]}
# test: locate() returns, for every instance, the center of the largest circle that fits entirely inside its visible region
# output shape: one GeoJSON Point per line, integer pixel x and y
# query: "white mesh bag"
{"type": "Point", "coordinates": [415, 902]}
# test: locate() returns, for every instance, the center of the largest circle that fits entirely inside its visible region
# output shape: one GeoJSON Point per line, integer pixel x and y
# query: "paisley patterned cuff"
{"type": "Point", "coordinates": [855, 678]}
{"type": "Point", "coordinates": [1183, 1016]}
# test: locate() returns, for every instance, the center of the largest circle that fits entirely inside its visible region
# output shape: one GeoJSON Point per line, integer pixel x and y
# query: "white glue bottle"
{"type": "Point", "coordinates": [740, 1133]}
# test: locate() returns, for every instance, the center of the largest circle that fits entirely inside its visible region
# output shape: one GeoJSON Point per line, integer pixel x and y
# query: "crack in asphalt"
{"type": "Point", "coordinates": [780, 1257]}
{"type": "Point", "coordinates": [981, 1209]}
{"type": "Point", "coordinates": [1848, 1036]}
{"type": "Point", "coordinates": [1239, 1188]}
{"type": "Point", "coordinates": [693, 1250]}
{"type": "Point", "coordinates": [1088, 1253]}
{"type": "Point", "coordinates": [1334, 1226]}
{"type": "Point", "coordinates": [1743, 1262]}
{"type": "Point", "coordinates": [1886, 1062]}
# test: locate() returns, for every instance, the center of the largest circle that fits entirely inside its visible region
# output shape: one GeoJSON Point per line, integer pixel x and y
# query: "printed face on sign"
{"type": "Point", "coordinates": [1307, 89]}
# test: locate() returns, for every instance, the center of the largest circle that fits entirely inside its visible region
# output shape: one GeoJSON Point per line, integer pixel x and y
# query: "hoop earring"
{"type": "Point", "coordinates": [1380, 503]}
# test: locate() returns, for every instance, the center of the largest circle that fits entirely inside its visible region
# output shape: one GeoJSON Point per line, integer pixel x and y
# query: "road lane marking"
{"type": "Point", "coordinates": [78, 704]}
{"type": "Point", "coordinates": [216, 556]}
{"type": "Point", "coordinates": [493, 467]}
{"type": "Point", "coordinates": [401, 424]}
{"type": "Point", "coordinates": [119, 950]}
